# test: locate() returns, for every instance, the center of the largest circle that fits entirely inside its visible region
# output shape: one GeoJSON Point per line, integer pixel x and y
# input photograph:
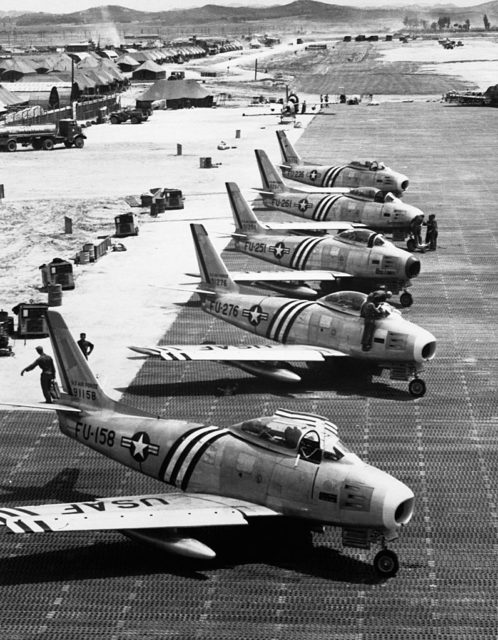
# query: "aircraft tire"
{"type": "Point", "coordinates": [406, 299]}
{"type": "Point", "coordinates": [410, 244]}
{"type": "Point", "coordinates": [386, 563]}
{"type": "Point", "coordinates": [417, 388]}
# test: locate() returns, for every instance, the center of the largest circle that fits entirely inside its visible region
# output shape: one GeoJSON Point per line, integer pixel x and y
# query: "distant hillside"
{"type": "Point", "coordinates": [299, 9]}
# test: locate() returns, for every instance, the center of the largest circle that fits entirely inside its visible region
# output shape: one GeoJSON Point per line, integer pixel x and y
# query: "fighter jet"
{"type": "Point", "coordinates": [288, 467]}
{"type": "Point", "coordinates": [354, 259]}
{"type": "Point", "coordinates": [380, 211]}
{"type": "Point", "coordinates": [308, 331]}
{"type": "Point", "coordinates": [357, 173]}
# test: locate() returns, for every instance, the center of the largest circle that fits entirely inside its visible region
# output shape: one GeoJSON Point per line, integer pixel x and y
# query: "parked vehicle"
{"type": "Point", "coordinates": [42, 136]}
{"type": "Point", "coordinates": [135, 116]}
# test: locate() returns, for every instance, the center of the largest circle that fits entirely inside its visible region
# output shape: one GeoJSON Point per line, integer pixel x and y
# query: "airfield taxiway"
{"type": "Point", "coordinates": [444, 446]}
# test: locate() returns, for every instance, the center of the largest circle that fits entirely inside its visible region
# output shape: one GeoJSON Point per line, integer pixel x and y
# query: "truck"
{"type": "Point", "coordinates": [135, 116]}
{"type": "Point", "coordinates": [42, 136]}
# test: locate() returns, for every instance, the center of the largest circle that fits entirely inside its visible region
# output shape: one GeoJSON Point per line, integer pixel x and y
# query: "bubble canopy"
{"type": "Point", "coordinates": [311, 437]}
{"type": "Point", "coordinates": [363, 237]}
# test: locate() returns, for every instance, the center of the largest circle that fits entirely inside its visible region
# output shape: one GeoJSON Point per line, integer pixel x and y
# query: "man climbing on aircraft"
{"type": "Point", "coordinates": [370, 311]}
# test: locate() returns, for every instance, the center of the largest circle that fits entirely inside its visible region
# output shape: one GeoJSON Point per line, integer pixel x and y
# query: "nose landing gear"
{"type": "Point", "coordinates": [417, 388]}
{"type": "Point", "coordinates": [406, 299]}
{"type": "Point", "coordinates": [386, 563]}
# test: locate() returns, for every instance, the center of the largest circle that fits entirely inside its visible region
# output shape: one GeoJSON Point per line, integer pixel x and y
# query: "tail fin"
{"type": "Point", "coordinates": [214, 274]}
{"type": "Point", "coordinates": [75, 375]}
{"type": "Point", "coordinates": [270, 177]}
{"type": "Point", "coordinates": [289, 154]}
{"type": "Point", "coordinates": [243, 216]}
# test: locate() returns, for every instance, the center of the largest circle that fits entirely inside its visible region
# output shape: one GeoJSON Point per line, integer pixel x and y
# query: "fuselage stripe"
{"type": "Point", "coordinates": [198, 455]}
{"type": "Point", "coordinates": [303, 252]}
{"type": "Point", "coordinates": [278, 313]}
{"type": "Point", "coordinates": [333, 177]}
{"type": "Point", "coordinates": [325, 205]}
{"type": "Point", "coordinates": [187, 447]}
{"type": "Point", "coordinates": [280, 317]}
{"type": "Point", "coordinates": [174, 447]}
{"type": "Point", "coordinates": [292, 319]}
{"type": "Point", "coordinates": [327, 173]}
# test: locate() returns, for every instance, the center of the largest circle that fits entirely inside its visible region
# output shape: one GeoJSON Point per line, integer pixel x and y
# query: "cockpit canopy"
{"type": "Point", "coordinates": [363, 237]}
{"type": "Point", "coordinates": [311, 437]}
{"type": "Point", "coordinates": [345, 301]}
{"type": "Point", "coordinates": [368, 193]}
{"type": "Point", "coordinates": [368, 165]}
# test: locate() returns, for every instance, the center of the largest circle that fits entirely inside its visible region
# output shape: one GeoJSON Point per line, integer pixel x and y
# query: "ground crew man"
{"type": "Point", "coordinates": [47, 375]}
{"type": "Point", "coordinates": [85, 345]}
{"type": "Point", "coordinates": [431, 233]}
{"type": "Point", "coordinates": [416, 229]}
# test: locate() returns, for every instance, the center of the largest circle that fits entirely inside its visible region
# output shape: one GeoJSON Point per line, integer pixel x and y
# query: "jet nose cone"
{"type": "Point", "coordinates": [412, 267]}
{"type": "Point", "coordinates": [425, 346]}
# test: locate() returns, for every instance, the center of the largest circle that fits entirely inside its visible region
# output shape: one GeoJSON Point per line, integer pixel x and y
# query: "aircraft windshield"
{"type": "Point", "coordinates": [345, 301]}
{"type": "Point", "coordinates": [364, 237]}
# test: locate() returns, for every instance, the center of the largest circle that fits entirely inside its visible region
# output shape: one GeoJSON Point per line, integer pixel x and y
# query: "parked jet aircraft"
{"type": "Point", "coordinates": [355, 259]}
{"type": "Point", "coordinates": [310, 331]}
{"type": "Point", "coordinates": [288, 466]}
{"type": "Point", "coordinates": [357, 173]}
{"type": "Point", "coordinates": [377, 210]}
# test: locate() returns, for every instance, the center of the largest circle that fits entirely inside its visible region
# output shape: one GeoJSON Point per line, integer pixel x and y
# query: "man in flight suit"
{"type": "Point", "coordinates": [47, 375]}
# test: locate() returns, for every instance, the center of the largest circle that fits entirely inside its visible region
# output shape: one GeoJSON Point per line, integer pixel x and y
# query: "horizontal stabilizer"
{"type": "Point", "coordinates": [47, 406]}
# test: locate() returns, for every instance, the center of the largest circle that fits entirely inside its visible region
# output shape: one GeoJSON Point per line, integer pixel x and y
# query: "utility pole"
{"type": "Point", "coordinates": [256, 69]}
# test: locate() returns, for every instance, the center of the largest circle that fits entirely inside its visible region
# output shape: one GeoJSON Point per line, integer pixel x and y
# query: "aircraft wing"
{"type": "Point", "coordinates": [168, 510]}
{"type": "Point", "coordinates": [311, 225]}
{"type": "Point", "coordinates": [286, 276]}
{"type": "Point", "coordinates": [242, 352]}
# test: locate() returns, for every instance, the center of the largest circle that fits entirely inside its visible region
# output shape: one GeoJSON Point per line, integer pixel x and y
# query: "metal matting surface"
{"type": "Point", "coordinates": [99, 585]}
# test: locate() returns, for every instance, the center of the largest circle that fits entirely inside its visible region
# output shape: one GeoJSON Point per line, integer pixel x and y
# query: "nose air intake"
{"type": "Point", "coordinates": [412, 268]}
{"type": "Point", "coordinates": [429, 350]}
{"type": "Point", "coordinates": [404, 184]}
{"type": "Point", "coordinates": [404, 511]}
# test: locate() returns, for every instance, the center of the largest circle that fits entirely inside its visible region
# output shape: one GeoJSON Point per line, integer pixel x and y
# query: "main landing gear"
{"type": "Point", "coordinates": [386, 563]}
{"type": "Point", "coordinates": [417, 388]}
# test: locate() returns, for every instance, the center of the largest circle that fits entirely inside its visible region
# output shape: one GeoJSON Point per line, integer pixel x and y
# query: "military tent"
{"type": "Point", "coordinates": [10, 100]}
{"type": "Point", "coordinates": [177, 94]}
{"type": "Point", "coordinates": [148, 71]}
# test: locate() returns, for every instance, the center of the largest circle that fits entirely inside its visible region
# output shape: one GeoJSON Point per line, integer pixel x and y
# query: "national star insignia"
{"type": "Point", "coordinates": [255, 314]}
{"type": "Point", "coordinates": [303, 205]}
{"type": "Point", "coordinates": [279, 250]}
{"type": "Point", "coordinates": [140, 446]}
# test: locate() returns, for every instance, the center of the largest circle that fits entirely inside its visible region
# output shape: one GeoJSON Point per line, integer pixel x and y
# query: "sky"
{"type": "Point", "coordinates": [67, 6]}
